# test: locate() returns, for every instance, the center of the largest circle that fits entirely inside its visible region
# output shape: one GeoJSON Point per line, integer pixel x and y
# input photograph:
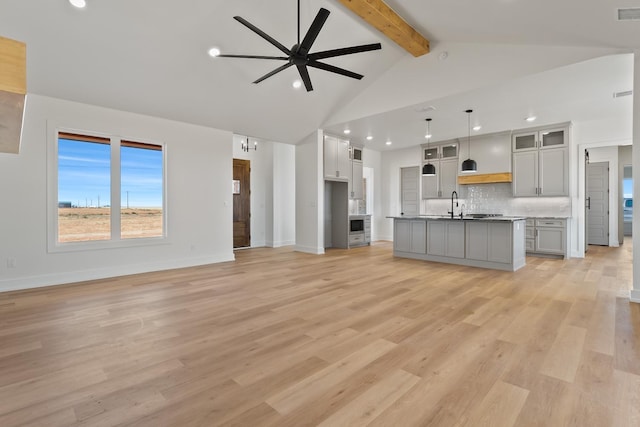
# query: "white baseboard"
{"type": "Point", "coordinates": [30, 282]}
{"type": "Point", "coordinates": [309, 249]}
{"type": "Point", "coordinates": [280, 244]}
{"type": "Point", "coordinates": [634, 296]}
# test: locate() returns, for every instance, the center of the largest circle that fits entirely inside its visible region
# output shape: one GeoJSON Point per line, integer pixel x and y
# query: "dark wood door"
{"type": "Point", "coordinates": [241, 203]}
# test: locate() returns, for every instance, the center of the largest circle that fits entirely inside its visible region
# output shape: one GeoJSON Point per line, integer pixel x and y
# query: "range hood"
{"type": "Point", "coordinates": [485, 178]}
{"type": "Point", "coordinates": [13, 89]}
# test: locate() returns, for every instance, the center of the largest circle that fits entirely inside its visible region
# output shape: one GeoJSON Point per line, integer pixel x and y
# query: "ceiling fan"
{"type": "Point", "coordinates": [299, 54]}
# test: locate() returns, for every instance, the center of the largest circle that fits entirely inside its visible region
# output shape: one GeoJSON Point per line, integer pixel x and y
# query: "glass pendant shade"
{"type": "Point", "coordinates": [428, 170]}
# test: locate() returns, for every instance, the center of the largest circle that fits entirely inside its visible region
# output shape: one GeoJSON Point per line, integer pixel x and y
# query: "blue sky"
{"type": "Point", "coordinates": [84, 175]}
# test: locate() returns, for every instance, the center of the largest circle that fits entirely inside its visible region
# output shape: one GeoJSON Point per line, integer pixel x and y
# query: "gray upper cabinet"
{"type": "Point", "coordinates": [356, 183]}
{"type": "Point", "coordinates": [444, 157]}
{"type": "Point", "coordinates": [337, 164]}
{"type": "Point", "coordinates": [541, 162]}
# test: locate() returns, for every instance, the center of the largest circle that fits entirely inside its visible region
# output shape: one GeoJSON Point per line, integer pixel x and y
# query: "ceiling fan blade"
{"type": "Point", "coordinates": [304, 74]}
{"type": "Point", "coordinates": [253, 57]}
{"type": "Point", "coordinates": [276, 71]}
{"type": "Point", "coordinates": [262, 34]}
{"type": "Point", "coordinates": [313, 31]}
{"type": "Point", "coordinates": [334, 69]}
{"type": "Point", "coordinates": [344, 51]}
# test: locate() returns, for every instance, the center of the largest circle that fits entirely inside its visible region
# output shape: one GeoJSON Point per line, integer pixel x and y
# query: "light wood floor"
{"type": "Point", "coordinates": [352, 338]}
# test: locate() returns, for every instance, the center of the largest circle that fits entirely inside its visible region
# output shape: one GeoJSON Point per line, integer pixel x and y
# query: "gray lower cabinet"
{"type": "Point", "coordinates": [445, 238]}
{"type": "Point", "coordinates": [488, 244]}
{"type": "Point", "coordinates": [410, 236]}
{"type": "Point", "coordinates": [546, 236]}
{"type": "Point", "coordinates": [489, 241]}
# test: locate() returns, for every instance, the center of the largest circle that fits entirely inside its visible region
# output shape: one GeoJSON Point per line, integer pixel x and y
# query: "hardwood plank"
{"type": "Point", "coordinates": [372, 402]}
{"type": "Point", "coordinates": [307, 389]}
{"type": "Point", "coordinates": [500, 407]}
{"type": "Point", "coordinates": [564, 356]}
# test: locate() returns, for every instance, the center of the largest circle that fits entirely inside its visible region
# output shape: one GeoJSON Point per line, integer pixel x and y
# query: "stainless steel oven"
{"type": "Point", "coordinates": [356, 225]}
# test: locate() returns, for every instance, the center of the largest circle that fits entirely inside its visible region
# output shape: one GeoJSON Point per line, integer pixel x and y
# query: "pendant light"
{"type": "Point", "coordinates": [428, 169]}
{"type": "Point", "coordinates": [469, 165]}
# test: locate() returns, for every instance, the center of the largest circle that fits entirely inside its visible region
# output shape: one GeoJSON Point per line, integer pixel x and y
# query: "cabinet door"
{"type": "Point", "coordinates": [525, 174]}
{"type": "Point", "coordinates": [429, 154]}
{"type": "Point", "coordinates": [526, 141]}
{"type": "Point", "coordinates": [554, 176]}
{"type": "Point", "coordinates": [455, 239]}
{"type": "Point", "coordinates": [448, 177]}
{"type": "Point", "coordinates": [477, 240]}
{"type": "Point", "coordinates": [553, 138]}
{"type": "Point", "coordinates": [550, 240]}
{"type": "Point", "coordinates": [436, 233]}
{"type": "Point", "coordinates": [343, 161]}
{"type": "Point", "coordinates": [500, 242]}
{"type": "Point", "coordinates": [419, 237]}
{"type": "Point", "coordinates": [357, 187]}
{"type": "Point", "coordinates": [402, 235]}
{"type": "Point", "coordinates": [430, 189]}
{"type": "Point", "coordinates": [449, 151]}
{"type": "Point", "coordinates": [330, 157]}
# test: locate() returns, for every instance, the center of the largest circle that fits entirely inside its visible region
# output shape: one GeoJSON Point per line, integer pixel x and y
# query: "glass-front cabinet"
{"type": "Point", "coordinates": [540, 139]}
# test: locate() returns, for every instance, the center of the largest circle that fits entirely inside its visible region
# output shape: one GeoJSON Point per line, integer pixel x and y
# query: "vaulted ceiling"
{"type": "Point", "coordinates": [150, 57]}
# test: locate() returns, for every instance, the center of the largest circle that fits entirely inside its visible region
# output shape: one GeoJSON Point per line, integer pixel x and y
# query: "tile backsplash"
{"type": "Point", "coordinates": [498, 198]}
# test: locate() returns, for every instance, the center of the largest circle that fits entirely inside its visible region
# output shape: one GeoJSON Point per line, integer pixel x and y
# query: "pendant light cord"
{"type": "Point", "coordinates": [298, 22]}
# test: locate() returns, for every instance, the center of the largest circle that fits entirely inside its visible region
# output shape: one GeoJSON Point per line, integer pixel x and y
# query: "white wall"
{"type": "Point", "coordinates": [392, 161]}
{"type": "Point", "coordinates": [373, 159]}
{"type": "Point", "coordinates": [199, 199]}
{"type": "Point", "coordinates": [310, 194]}
{"type": "Point", "coordinates": [284, 195]}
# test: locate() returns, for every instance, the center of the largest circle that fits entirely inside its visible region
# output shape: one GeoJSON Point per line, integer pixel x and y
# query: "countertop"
{"type": "Point", "coordinates": [465, 218]}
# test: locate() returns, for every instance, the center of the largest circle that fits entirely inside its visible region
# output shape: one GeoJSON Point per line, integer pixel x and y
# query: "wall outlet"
{"type": "Point", "coordinates": [11, 262]}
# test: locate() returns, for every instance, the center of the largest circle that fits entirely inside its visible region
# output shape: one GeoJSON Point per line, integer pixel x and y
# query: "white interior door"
{"type": "Point", "coordinates": [598, 203]}
{"type": "Point", "coordinates": [409, 190]}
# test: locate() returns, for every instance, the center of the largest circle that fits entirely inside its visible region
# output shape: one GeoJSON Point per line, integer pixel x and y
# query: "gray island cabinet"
{"type": "Point", "coordinates": [496, 243]}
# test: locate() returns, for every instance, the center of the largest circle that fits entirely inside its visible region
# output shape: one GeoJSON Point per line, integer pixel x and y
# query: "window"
{"type": "Point", "coordinates": [108, 189]}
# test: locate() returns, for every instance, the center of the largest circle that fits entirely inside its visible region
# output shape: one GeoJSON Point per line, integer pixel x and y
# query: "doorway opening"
{"type": "Point", "coordinates": [241, 203]}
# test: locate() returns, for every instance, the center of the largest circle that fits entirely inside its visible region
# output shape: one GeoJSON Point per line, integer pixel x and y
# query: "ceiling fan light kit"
{"type": "Point", "coordinates": [299, 55]}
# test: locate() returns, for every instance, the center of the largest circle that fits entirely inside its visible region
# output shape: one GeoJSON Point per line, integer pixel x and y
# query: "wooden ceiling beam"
{"type": "Point", "coordinates": [13, 66]}
{"type": "Point", "coordinates": [377, 14]}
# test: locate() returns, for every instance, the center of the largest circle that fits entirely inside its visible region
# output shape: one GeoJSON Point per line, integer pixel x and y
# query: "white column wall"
{"type": "Point", "coordinates": [310, 194]}
{"type": "Point", "coordinates": [635, 292]}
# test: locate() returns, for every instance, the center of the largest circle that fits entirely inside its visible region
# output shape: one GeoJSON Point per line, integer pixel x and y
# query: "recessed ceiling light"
{"type": "Point", "coordinates": [213, 52]}
{"type": "Point", "coordinates": [428, 136]}
{"type": "Point", "coordinates": [347, 131]}
{"type": "Point", "coordinates": [531, 118]}
{"type": "Point", "coordinates": [477, 128]}
{"type": "Point", "coordinates": [78, 3]}
{"type": "Point", "coordinates": [369, 138]}
{"type": "Point", "coordinates": [297, 84]}
{"type": "Point", "coordinates": [388, 142]}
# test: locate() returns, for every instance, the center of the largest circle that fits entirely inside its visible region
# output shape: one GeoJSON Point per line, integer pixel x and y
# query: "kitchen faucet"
{"type": "Point", "coordinates": [452, 194]}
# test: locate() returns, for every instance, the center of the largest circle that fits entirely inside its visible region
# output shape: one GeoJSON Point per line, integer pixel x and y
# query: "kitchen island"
{"type": "Point", "coordinates": [492, 242]}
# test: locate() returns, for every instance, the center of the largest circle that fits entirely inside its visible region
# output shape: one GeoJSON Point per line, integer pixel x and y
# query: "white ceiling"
{"type": "Point", "coordinates": [149, 57]}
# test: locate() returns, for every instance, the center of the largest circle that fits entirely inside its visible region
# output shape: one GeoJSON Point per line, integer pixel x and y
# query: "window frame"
{"type": "Point", "coordinates": [116, 241]}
